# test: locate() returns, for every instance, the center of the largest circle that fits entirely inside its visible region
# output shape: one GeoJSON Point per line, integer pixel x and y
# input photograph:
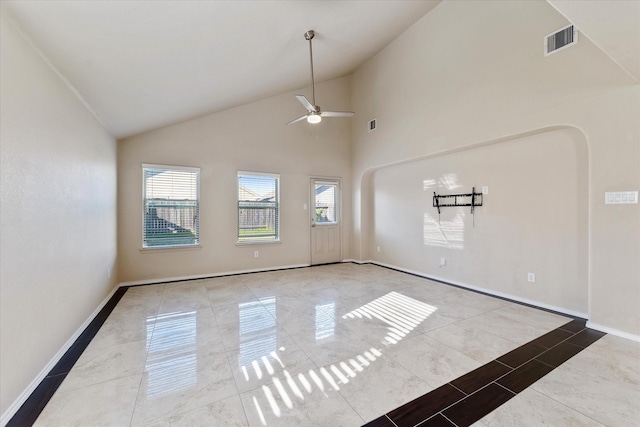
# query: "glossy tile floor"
{"type": "Point", "coordinates": [336, 345]}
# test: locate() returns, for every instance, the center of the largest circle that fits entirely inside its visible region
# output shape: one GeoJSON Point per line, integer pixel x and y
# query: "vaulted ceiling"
{"type": "Point", "coordinates": [140, 65]}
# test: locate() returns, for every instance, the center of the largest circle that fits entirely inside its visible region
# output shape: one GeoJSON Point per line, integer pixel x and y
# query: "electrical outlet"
{"type": "Point", "coordinates": [485, 189]}
{"type": "Point", "coordinates": [256, 254]}
{"type": "Point", "coordinates": [108, 273]}
{"type": "Point", "coordinates": [378, 249]}
{"type": "Point", "coordinates": [531, 277]}
{"type": "Point", "coordinates": [443, 261]}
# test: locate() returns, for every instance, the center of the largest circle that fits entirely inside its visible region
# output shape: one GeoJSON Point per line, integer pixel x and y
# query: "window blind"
{"type": "Point", "coordinates": [258, 207]}
{"type": "Point", "coordinates": [171, 208]}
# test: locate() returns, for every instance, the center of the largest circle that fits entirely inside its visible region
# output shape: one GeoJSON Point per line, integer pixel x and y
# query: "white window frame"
{"type": "Point", "coordinates": [145, 166]}
{"type": "Point", "coordinates": [258, 240]}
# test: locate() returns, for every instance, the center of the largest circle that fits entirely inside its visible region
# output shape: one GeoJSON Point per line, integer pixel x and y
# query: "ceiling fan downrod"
{"type": "Point", "coordinates": [309, 35]}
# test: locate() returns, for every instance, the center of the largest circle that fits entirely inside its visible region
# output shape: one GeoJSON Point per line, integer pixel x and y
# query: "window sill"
{"type": "Point", "coordinates": [270, 242]}
{"type": "Point", "coordinates": [170, 248]}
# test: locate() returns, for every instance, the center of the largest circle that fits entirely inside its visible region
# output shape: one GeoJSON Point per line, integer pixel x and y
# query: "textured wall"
{"type": "Point", "coordinates": [57, 213]}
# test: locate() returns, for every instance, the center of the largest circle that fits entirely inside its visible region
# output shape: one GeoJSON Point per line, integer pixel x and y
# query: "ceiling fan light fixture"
{"type": "Point", "coordinates": [314, 118]}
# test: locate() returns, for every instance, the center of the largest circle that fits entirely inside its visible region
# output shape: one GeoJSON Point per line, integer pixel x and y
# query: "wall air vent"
{"type": "Point", "coordinates": [560, 39]}
{"type": "Point", "coordinates": [373, 123]}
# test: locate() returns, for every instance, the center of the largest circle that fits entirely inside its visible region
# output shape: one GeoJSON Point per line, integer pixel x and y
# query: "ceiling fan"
{"type": "Point", "coordinates": [314, 114]}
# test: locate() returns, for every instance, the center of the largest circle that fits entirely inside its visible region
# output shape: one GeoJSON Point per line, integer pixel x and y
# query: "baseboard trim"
{"type": "Point", "coordinates": [486, 291]}
{"type": "Point", "coordinates": [22, 398]}
{"type": "Point", "coordinates": [613, 331]}
{"type": "Point", "coordinates": [209, 275]}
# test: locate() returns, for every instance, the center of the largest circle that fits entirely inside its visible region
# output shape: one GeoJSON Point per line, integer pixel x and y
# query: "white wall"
{"type": "Point", "coordinates": [469, 73]}
{"type": "Point", "coordinates": [529, 221]}
{"type": "Point", "coordinates": [57, 213]}
{"type": "Point", "coordinates": [250, 138]}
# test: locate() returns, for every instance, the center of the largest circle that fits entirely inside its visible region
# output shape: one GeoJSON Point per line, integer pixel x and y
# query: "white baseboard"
{"type": "Point", "coordinates": [613, 331]}
{"type": "Point", "coordinates": [11, 410]}
{"type": "Point", "coordinates": [209, 275]}
{"type": "Point", "coordinates": [487, 291]}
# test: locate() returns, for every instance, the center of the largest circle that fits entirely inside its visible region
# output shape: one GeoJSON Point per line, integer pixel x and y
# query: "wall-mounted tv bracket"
{"type": "Point", "coordinates": [472, 199]}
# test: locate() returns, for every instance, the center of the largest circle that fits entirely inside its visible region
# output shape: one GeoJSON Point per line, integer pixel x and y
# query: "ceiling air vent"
{"type": "Point", "coordinates": [372, 125]}
{"type": "Point", "coordinates": [559, 40]}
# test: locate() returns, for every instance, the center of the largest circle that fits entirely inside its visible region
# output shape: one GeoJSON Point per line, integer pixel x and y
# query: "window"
{"type": "Point", "coordinates": [171, 206]}
{"type": "Point", "coordinates": [258, 207]}
{"type": "Point", "coordinates": [326, 202]}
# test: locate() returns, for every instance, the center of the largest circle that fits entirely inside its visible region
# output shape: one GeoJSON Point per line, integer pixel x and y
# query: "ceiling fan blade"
{"type": "Point", "coordinates": [297, 120]}
{"type": "Point", "coordinates": [304, 101]}
{"type": "Point", "coordinates": [337, 114]}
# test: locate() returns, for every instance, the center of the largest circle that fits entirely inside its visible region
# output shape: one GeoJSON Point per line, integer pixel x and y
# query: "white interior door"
{"type": "Point", "coordinates": [326, 240]}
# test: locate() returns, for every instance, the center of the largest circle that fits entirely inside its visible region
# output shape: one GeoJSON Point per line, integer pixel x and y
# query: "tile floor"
{"type": "Point", "coordinates": [336, 345]}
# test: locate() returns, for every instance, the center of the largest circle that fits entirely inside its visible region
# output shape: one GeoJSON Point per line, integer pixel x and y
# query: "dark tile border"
{"type": "Point", "coordinates": [559, 354]}
{"type": "Point", "coordinates": [524, 376]}
{"type": "Point", "coordinates": [521, 354]}
{"type": "Point", "coordinates": [432, 402]}
{"type": "Point", "coordinates": [576, 326]}
{"type": "Point", "coordinates": [554, 337]}
{"type": "Point", "coordinates": [383, 421]}
{"type": "Point", "coordinates": [470, 397]}
{"type": "Point", "coordinates": [478, 378]}
{"type": "Point", "coordinates": [35, 403]}
{"type": "Point", "coordinates": [475, 406]}
{"type": "Point", "coordinates": [437, 421]}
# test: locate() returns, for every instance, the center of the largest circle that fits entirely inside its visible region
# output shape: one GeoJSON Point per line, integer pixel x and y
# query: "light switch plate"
{"type": "Point", "coordinates": [621, 198]}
